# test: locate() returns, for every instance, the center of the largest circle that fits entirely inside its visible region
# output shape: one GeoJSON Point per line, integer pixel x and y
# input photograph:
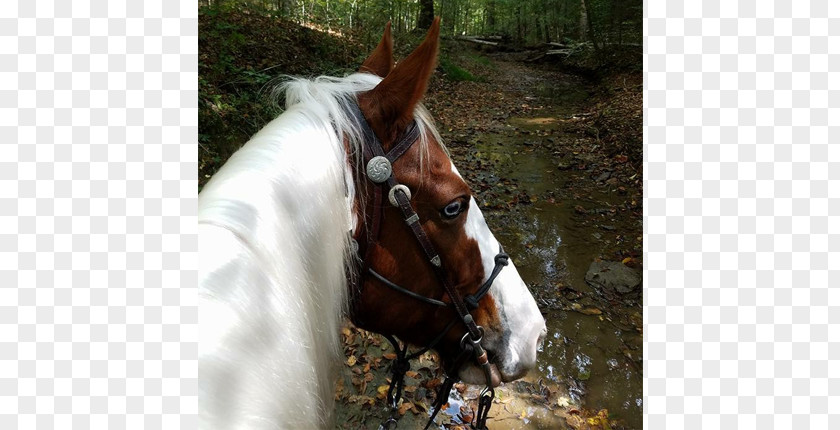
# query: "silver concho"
{"type": "Point", "coordinates": [378, 169]}
{"type": "Point", "coordinates": [393, 199]}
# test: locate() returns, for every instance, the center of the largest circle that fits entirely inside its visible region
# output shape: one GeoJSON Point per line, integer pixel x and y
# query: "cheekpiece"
{"type": "Point", "coordinates": [378, 169]}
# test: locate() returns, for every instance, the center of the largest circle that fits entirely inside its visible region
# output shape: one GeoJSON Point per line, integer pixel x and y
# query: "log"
{"type": "Point", "coordinates": [479, 41]}
{"type": "Point", "coordinates": [491, 37]}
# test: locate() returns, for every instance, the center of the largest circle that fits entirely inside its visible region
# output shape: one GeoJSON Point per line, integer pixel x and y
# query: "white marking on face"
{"type": "Point", "coordinates": [521, 321]}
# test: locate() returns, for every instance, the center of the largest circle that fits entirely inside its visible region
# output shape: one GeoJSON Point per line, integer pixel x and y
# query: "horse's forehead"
{"type": "Point", "coordinates": [437, 166]}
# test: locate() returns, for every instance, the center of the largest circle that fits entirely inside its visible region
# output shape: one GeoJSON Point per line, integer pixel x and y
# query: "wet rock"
{"type": "Point", "coordinates": [613, 276]}
{"type": "Point", "coordinates": [590, 311]}
{"type": "Point", "coordinates": [572, 294]}
{"type": "Point", "coordinates": [604, 176]}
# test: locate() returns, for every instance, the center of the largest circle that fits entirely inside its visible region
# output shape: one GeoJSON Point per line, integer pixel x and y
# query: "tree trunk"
{"type": "Point", "coordinates": [588, 15]}
{"type": "Point", "coordinates": [427, 14]}
{"type": "Point", "coordinates": [491, 16]}
{"type": "Point", "coordinates": [584, 21]}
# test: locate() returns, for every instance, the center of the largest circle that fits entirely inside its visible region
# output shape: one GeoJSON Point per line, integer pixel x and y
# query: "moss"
{"type": "Point", "coordinates": [455, 73]}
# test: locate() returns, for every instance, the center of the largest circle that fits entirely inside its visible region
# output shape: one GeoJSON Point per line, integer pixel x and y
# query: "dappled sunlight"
{"type": "Point", "coordinates": [322, 29]}
{"type": "Point", "coordinates": [540, 121]}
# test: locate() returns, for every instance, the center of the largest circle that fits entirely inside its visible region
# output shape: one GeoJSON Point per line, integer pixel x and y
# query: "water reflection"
{"type": "Point", "coordinates": [585, 355]}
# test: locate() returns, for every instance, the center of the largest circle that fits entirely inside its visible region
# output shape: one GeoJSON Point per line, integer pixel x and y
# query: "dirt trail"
{"type": "Point", "coordinates": [557, 203]}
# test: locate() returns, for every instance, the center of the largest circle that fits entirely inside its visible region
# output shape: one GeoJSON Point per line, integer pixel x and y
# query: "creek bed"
{"type": "Point", "coordinates": [587, 361]}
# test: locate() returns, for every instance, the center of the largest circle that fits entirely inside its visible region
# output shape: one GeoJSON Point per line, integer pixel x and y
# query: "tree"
{"type": "Point", "coordinates": [427, 14]}
{"type": "Point", "coordinates": [586, 17]}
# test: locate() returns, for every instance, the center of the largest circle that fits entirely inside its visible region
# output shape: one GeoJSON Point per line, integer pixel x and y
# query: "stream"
{"type": "Point", "coordinates": [592, 362]}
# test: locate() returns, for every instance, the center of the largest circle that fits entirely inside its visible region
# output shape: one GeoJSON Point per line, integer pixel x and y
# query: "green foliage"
{"type": "Point", "coordinates": [241, 56]}
{"type": "Point", "coordinates": [480, 59]}
{"type": "Point", "coordinates": [529, 22]}
{"type": "Point", "coordinates": [455, 73]}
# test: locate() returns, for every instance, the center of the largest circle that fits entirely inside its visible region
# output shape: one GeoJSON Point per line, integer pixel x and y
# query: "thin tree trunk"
{"type": "Point", "coordinates": [584, 21]}
{"type": "Point", "coordinates": [491, 15]}
{"type": "Point", "coordinates": [588, 16]}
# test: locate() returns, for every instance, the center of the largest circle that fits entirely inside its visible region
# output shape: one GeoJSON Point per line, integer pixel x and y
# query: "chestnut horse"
{"type": "Point", "coordinates": [281, 225]}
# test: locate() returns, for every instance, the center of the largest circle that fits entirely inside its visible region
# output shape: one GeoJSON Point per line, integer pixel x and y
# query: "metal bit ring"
{"type": "Point", "coordinates": [467, 337]}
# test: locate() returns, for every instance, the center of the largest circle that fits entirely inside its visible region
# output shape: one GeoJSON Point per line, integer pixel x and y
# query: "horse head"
{"type": "Point", "coordinates": [469, 254]}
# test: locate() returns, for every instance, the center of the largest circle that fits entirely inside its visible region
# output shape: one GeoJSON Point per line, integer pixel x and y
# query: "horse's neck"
{"type": "Point", "coordinates": [274, 223]}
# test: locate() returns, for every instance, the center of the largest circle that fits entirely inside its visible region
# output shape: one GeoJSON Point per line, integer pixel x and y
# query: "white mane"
{"type": "Point", "coordinates": [274, 243]}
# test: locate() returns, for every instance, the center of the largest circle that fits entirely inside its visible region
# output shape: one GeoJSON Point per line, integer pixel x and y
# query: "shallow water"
{"type": "Point", "coordinates": [590, 359]}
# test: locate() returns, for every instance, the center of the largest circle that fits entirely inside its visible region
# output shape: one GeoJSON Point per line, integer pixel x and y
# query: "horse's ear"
{"type": "Point", "coordinates": [389, 107]}
{"type": "Point", "coordinates": [381, 60]}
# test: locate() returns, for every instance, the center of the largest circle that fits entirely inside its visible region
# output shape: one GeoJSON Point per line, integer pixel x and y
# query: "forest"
{"type": "Point", "coordinates": [599, 22]}
{"type": "Point", "coordinates": [539, 103]}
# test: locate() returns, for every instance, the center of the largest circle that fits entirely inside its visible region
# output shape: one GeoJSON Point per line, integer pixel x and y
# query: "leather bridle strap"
{"type": "Point", "coordinates": [471, 301]}
{"type": "Point", "coordinates": [374, 146]}
{"type": "Point", "coordinates": [378, 167]}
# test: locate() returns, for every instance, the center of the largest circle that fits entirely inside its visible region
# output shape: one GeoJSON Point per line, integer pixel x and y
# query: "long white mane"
{"type": "Point", "coordinates": [274, 243]}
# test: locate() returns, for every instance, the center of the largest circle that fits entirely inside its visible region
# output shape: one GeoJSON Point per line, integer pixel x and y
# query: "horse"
{"type": "Point", "coordinates": [296, 234]}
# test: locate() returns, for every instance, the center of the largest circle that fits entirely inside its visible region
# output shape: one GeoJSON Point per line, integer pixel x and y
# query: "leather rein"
{"type": "Point", "coordinates": [378, 170]}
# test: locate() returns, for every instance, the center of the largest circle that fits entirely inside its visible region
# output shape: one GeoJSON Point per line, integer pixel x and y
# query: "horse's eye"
{"type": "Point", "coordinates": [452, 210]}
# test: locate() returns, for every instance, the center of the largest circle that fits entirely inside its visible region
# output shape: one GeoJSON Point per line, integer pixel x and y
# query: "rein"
{"type": "Point", "coordinates": [379, 172]}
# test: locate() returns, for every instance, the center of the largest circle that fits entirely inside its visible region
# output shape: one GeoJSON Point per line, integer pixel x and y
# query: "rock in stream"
{"type": "Point", "coordinates": [613, 276]}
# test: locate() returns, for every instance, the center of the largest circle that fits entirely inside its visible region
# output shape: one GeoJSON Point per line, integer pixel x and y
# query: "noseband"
{"type": "Point", "coordinates": [380, 173]}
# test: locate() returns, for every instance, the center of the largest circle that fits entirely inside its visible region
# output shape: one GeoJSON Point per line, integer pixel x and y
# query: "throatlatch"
{"type": "Point", "coordinates": [379, 170]}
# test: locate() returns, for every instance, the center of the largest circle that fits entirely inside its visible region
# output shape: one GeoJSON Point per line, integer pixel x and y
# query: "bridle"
{"type": "Point", "coordinates": [378, 170]}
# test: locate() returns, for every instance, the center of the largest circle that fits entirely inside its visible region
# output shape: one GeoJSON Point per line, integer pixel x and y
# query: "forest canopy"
{"type": "Point", "coordinates": [523, 22]}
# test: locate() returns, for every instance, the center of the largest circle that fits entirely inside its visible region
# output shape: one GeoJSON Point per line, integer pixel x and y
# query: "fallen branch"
{"type": "Point", "coordinates": [479, 41]}
{"type": "Point", "coordinates": [483, 37]}
{"type": "Point", "coordinates": [557, 45]}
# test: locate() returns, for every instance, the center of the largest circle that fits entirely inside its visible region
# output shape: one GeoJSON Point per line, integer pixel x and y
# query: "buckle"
{"type": "Point", "coordinates": [399, 187]}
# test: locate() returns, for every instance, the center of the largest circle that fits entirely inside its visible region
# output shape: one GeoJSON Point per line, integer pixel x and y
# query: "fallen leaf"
{"type": "Point", "coordinates": [351, 361]}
